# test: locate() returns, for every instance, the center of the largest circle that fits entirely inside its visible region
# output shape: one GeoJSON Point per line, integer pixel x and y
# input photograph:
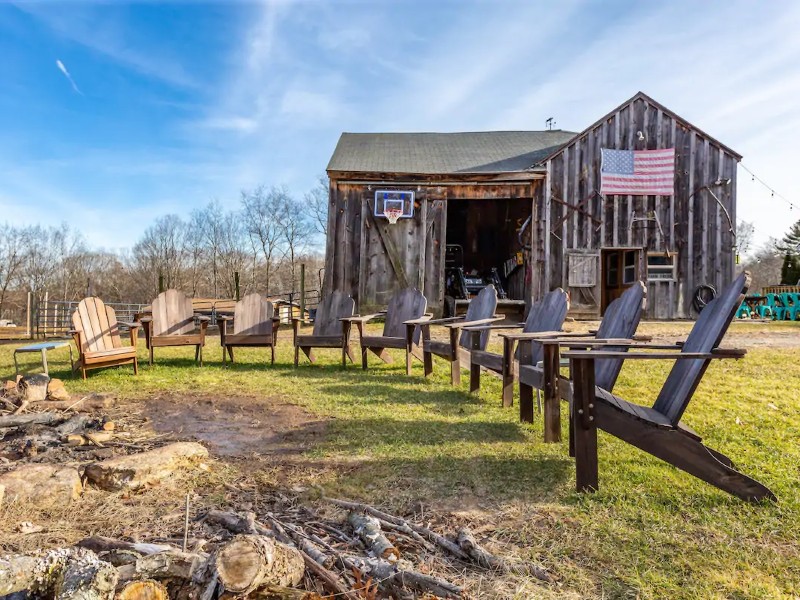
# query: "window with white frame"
{"type": "Point", "coordinates": [662, 266]}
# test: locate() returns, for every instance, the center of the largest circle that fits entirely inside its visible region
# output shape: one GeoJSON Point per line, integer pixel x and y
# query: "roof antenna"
{"type": "Point", "coordinates": [549, 123]}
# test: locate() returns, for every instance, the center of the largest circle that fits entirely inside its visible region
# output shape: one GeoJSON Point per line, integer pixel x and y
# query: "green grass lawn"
{"type": "Point", "coordinates": [650, 532]}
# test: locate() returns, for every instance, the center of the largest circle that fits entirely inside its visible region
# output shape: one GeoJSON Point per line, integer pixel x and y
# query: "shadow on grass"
{"type": "Point", "coordinates": [488, 478]}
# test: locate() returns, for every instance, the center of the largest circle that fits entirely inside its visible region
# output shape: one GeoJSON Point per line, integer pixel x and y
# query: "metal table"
{"type": "Point", "coordinates": [43, 347]}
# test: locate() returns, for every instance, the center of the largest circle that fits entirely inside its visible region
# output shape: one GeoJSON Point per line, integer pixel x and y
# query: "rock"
{"type": "Point", "coordinates": [42, 485]}
{"type": "Point", "coordinates": [137, 470]}
{"type": "Point", "coordinates": [10, 387]}
{"type": "Point", "coordinates": [56, 390]}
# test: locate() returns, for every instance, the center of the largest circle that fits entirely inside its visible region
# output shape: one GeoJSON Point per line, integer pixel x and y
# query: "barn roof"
{"type": "Point", "coordinates": [439, 153]}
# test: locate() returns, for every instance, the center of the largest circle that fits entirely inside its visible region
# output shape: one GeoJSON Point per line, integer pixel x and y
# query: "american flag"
{"type": "Point", "coordinates": [638, 172]}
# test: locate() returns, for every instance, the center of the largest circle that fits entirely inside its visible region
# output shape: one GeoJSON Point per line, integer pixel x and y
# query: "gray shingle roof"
{"type": "Point", "coordinates": [433, 153]}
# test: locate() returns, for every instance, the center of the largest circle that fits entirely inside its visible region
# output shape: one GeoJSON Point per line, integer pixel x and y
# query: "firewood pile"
{"type": "Point", "coordinates": [276, 548]}
{"type": "Point", "coordinates": [289, 551]}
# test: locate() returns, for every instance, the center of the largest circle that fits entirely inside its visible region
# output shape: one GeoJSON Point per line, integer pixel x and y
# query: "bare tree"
{"type": "Point", "coordinates": [160, 252]}
{"type": "Point", "coordinates": [744, 236]}
{"type": "Point", "coordinates": [259, 208]}
{"type": "Point", "coordinates": [317, 200]}
{"type": "Point", "coordinates": [296, 231]}
{"type": "Point", "coordinates": [12, 259]}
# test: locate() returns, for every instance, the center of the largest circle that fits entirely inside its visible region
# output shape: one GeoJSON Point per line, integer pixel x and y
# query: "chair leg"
{"type": "Point", "coordinates": [408, 359]}
{"type": "Point", "coordinates": [525, 403]}
{"type": "Point", "coordinates": [427, 363]}
{"type": "Point", "coordinates": [508, 386]}
{"type": "Point", "coordinates": [272, 354]}
{"type": "Point", "coordinates": [200, 354]}
{"type": "Point", "coordinates": [151, 355]}
{"type": "Point", "coordinates": [474, 376]}
{"type": "Point", "coordinates": [364, 351]}
{"type": "Point", "coordinates": [135, 366]}
{"type": "Point", "coordinates": [224, 355]}
{"type": "Point", "coordinates": [83, 372]}
{"type": "Point", "coordinates": [455, 369]}
{"type": "Point", "coordinates": [584, 424]}
{"type": "Point", "coordinates": [296, 355]}
{"type": "Point", "coordinates": [571, 434]}
{"type": "Point", "coordinates": [230, 352]}
{"type": "Point", "coordinates": [196, 352]}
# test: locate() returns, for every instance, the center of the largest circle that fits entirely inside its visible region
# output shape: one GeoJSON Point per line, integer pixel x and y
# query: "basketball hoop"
{"type": "Point", "coordinates": [392, 214]}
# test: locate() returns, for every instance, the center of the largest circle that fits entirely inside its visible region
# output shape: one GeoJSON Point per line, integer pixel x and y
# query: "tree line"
{"type": "Point", "coordinates": [775, 262]}
{"type": "Point", "coordinates": [263, 238]}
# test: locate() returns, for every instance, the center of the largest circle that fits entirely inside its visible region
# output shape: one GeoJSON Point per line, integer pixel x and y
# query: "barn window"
{"type": "Point", "coordinates": [662, 267]}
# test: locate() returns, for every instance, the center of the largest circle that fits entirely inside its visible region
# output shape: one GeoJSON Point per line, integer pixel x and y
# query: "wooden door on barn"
{"type": "Point", "coordinates": [408, 253]}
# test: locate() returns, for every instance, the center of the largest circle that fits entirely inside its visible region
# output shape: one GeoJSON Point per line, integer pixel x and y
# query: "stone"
{"type": "Point", "coordinates": [56, 390]}
{"type": "Point", "coordinates": [138, 470]}
{"type": "Point", "coordinates": [41, 485]}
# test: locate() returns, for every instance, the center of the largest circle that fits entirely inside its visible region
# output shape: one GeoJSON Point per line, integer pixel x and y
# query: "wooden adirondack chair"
{"type": "Point", "coordinates": [96, 335]}
{"type": "Point", "coordinates": [254, 325]}
{"type": "Point", "coordinates": [659, 430]}
{"type": "Point", "coordinates": [405, 305]}
{"type": "Point", "coordinates": [172, 324]}
{"type": "Point", "coordinates": [547, 315]}
{"type": "Point", "coordinates": [479, 312]}
{"type": "Point", "coordinates": [331, 328]}
{"type": "Point", "coordinates": [619, 322]}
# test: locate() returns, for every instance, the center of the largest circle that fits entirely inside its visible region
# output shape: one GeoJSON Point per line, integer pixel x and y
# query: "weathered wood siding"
{"type": "Point", "coordinates": [693, 223]}
{"type": "Point", "coordinates": [370, 259]}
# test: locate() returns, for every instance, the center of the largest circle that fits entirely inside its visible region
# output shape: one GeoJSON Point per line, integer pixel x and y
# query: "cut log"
{"type": "Point", "coordinates": [163, 565]}
{"type": "Point", "coordinates": [137, 470]}
{"type": "Point", "coordinates": [98, 544]}
{"type": "Point", "coordinates": [46, 418]}
{"type": "Point", "coordinates": [92, 402]}
{"type": "Point", "coordinates": [33, 388]}
{"type": "Point", "coordinates": [96, 438]}
{"type": "Point", "coordinates": [369, 530]}
{"type": "Point", "coordinates": [250, 561]}
{"type": "Point", "coordinates": [42, 485]}
{"type": "Point", "coordinates": [63, 573]}
{"type": "Point", "coordinates": [146, 589]}
{"type": "Point", "coordinates": [56, 390]}
{"type": "Point", "coordinates": [75, 424]}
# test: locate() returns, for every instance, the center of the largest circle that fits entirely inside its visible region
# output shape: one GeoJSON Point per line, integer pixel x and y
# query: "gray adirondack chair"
{"type": "Point", "coordinates": [619, 322]}
{"type": "Point", "coordinates": [254, 324]}
{"type": "Point", "coordinates": [480, 311]}
{"type": "Point", "coordinates": [171, 323]}
{"type": "Point", "coordinates": [405, 305]}
{"type": "Point", "coordinates": [96, 335]}
{"type": "Point", "coordinates": [331, 328]}
{"type": "Point", "coordinates": [658, 430]}
{"type": "Point", "coordinates": [547, 315]}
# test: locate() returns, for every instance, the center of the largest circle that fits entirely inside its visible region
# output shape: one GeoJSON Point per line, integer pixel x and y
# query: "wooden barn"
{"type": "Point", "coordinates": [524, 210]}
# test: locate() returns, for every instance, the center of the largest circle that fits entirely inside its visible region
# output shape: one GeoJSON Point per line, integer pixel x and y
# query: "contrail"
{"type": "Point", "coordinates": [63, 69]}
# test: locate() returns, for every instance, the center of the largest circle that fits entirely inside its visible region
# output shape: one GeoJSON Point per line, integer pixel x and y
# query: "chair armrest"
{"type": "Point", "coordinates": [427, 321]}
{"type": "Point", "coordinates": [631, 344]}
{"type": "Point", "coordinates": [224, 318]}
{"type": "Point", "coordinates": [465, 324]}
{"type": "Point", "coordinates": [350, 319]}
{"type": "Point", "coordinates": [536, 335]}
{"type": "Point", "coordinates": [364, 318]}
{"type": "Point", "coordinates": [493, 327]}
{"type": "Point", "coordinates": [715, 353]}
{"type": "Point", "coordinates": [130, 324]}
{"type": "Point", "coordinates": [202, 318]}
{"type": "Point", "coordinates": [146, 319]}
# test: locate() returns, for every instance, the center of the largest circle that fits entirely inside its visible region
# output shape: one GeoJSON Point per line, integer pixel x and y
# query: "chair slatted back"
{"type": "Point", "coordinates": [707, 333]}
{"type": "Point", "coordinates": [252, 315]}
{"type": "Point", "coordinates": [333, 307]}
{"type": "Point", "coordinates": [482, 306]}
{"type": "Point", "coordinates": [97, 324]}
{"type": "Point", "coordinates": [404, 306]}
{"type": "Point", "coordinates": [619, 321]}
{"type": "Point", "coordinates": [172, 314]}
{"type": "Point", "coordinates": [546, 315]}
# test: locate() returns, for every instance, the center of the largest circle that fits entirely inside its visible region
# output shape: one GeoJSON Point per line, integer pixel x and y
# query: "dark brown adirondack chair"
{"type": "Point", "coordinates": [96, 335]}
{"type": "Point", "coordinates": [171, 323]}
{"type": "Point", "coordinates": [619, 322]}
{"type": "Point", "coordinates": [547, 315]}
{"type": "Point", "coordinates": [405, 305]}
{"type": "Point", "coordinates": [254, 325]}
{"type": "Point", "coordinates": [659, 430]}
{"type": "Point", "coordinates": [331, 328]}
{"type": "Point", "coordinates": [479, 312]}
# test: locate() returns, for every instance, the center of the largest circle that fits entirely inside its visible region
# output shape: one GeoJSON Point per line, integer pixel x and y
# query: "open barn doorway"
{"type": "Point", "coordinates": [621, 269]}
{"type": "Point", "coordinates": [488, 242]}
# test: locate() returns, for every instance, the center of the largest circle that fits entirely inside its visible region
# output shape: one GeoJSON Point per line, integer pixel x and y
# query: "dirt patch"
{"type": "Point", "coordinates": [237, 427]}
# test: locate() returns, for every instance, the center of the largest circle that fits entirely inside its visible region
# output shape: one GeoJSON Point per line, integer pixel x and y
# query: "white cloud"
{"type": "Point", "coordinates": [64, 70]}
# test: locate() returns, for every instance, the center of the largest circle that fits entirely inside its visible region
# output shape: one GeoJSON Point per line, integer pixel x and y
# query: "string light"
{"type": "Point", "coordinates": [772, 191]}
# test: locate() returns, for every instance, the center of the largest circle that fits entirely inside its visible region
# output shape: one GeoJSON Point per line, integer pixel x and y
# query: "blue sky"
{"type": "Point", "coordinates": [161, 107]}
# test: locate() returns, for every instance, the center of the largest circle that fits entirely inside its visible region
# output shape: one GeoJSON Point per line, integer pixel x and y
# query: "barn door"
{"type": "Point", "coordinates": [392, 255]}
{"type": "Point", "coordinates": [435, 235]}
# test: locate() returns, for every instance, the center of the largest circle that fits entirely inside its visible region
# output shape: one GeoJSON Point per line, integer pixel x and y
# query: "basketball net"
{"type": "Point", "coordinates": [392, 214]}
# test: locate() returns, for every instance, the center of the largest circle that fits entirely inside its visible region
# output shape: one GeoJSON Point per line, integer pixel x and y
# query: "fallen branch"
{"type": "Point", "coordinates": [487, 560]}
{"type": "Point", "coordinates": [388, 574]}
{"type": "Point", "coordinates": [369, 530]}
{"type": "Point", "coordinates": [46, 418]}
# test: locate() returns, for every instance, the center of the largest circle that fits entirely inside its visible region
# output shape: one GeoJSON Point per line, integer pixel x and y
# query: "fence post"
{"type": "Point", "coordinates": [302, 290]}
{"type": "Point", "coordinates": [29, 319]}
{"type": "Point", "coordinates": [46, 294]}
{"type": "Point", "coordinates": [236, 283]}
